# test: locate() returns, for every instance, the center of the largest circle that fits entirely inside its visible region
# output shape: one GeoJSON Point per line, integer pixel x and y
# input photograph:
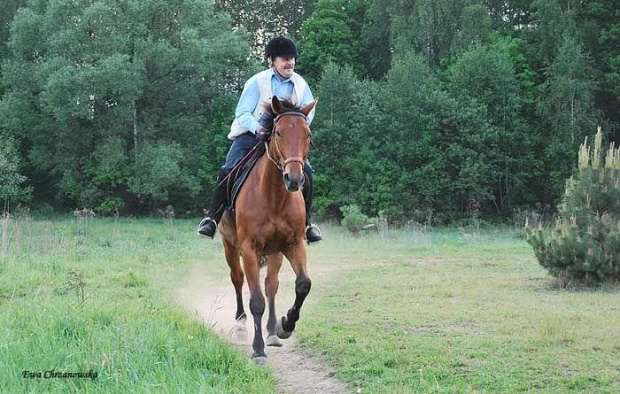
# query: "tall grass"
{"type": "Point", "coordinates": [93, 295]}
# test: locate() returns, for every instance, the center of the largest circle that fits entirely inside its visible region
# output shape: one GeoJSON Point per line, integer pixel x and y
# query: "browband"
{"type": "Point", "coordinates": [289, 113]}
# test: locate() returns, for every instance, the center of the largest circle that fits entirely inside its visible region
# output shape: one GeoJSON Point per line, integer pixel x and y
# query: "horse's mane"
{"type": "Point", "coordinates": [287, 104]}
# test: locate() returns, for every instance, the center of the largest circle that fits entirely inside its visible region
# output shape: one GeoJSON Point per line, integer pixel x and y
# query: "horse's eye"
{"type": "Point", "coordinates": [309, 136]}
{"type": "Point", "coordinates": [278, 134]}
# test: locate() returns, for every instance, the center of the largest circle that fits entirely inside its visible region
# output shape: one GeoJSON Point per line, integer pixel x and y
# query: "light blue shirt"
{"type": "Point", "coordinates": [250, 96]}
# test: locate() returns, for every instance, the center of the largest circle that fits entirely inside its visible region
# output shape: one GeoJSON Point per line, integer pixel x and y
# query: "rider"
{"type": "Point", "coordinates": [280, 80]}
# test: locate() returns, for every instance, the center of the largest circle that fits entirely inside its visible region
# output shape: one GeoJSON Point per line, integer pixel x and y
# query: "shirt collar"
{"type": "Point", "coordinates": [274, 74]}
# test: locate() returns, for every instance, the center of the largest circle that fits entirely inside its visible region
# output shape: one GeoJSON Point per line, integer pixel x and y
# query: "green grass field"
{"type": "Point", "coordinates": [410, 310]}
{"type": "Point", "coordinates": [459, 311]}
{"type": "Point", "coordinates": [94, 295]}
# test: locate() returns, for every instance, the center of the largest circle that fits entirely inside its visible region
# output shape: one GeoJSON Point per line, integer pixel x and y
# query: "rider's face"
{"type": "Point", "coordinates": [284, 66]}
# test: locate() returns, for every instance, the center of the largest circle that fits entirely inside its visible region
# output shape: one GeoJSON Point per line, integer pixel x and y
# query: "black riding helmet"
{"type": "Point", "coordinates": [281, 46]}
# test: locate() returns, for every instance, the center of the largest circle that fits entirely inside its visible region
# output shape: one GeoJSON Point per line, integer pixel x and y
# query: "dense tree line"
{"type": "Point", "coordinates": [449, 106]}
{"type": "Point", "coordinates": [427, 108]}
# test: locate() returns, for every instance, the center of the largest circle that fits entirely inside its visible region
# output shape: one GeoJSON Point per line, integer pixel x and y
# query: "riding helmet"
{"type": "Point", "coordinates": [281, 46]}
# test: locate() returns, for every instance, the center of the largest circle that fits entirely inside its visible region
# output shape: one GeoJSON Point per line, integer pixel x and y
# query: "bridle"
{"type": "Point", "coordinates": [295, 159]}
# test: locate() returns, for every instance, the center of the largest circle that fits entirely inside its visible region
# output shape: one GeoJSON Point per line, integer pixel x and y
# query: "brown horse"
{"type": "Point", "coordinates": [270, 221]}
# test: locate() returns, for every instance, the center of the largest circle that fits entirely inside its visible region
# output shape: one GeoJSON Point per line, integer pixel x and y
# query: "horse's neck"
{"type": "Point", "coordinates": [271, 183]}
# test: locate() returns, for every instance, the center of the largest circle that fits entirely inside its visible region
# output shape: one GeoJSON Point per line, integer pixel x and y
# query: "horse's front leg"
{"type": "Point", "coordinates": [274, 263]}
{"type": "Point", "coordinates": [236, 276]}
{"type": "Point", "coordinates": [297, 256]}
{"type": "Point", "coordinates": [251, 260]}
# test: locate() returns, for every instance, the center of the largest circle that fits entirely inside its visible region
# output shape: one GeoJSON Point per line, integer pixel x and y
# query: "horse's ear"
{"type": "Point", "coordinates": [276, 105]}
{"type": "Point", "coordinates": [308, 108]}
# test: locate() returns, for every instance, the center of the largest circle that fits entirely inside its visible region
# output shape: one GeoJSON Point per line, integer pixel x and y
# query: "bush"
{"type": "Point", "coordinates": [353, 218]}
{"type": "Point", "coordinates": [12, 186]}
{"type": "Point", "coordinates": [585, 242]}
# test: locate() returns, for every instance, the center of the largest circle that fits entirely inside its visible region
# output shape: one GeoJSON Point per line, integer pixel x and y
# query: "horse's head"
{"type": "Point", "coordinates": [290, 141]}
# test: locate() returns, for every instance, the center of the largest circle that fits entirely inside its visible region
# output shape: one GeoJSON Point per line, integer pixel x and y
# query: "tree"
{"type": "Point", "coordinates": [475, 26]}
{"type": "Point", "coordinates": [585, 241]}
{"type": "Point", "coordinates": [12, 183]}
{"type": "Point", "coordinates": [9, 7]}
{"type": "Point", "coordinates": [600, 29]}
{"type": "Point", "coordinates": [487, 76]}
{"type": "Point", "coordinates": [89, 80]}
{"type": "Point", "coordinates": [431, 27]}
{"type": "Point", "coordinates": [377, 44]}
{"type": "Point", "coordinates": [349, 123]}
{"type": "Point", "coordinates": [266, 19]}
{"type": "Point", "coordinates": [508, 16]}
{"type": "Point", "coordinates": [438, 144]}
{"type": "Point", "coordinates": [567, 107]}
{"type": "Point", "coordinates": [331, 34]}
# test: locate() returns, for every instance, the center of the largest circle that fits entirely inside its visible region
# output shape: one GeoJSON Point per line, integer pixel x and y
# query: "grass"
{"type": "Point", "coordinates": [93, 295]}
{"type": "Point", "coordinates": [458, 310]}
{"type": "Point", "coordinates": [399, 311]}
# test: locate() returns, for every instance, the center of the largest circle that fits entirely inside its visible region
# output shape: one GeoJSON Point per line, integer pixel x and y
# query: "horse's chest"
{"type": "Point", "coordinates": [285, 233]}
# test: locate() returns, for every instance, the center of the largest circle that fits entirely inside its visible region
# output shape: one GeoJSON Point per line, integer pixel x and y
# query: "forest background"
{"type": "Point", "coordinates": [429, 110]}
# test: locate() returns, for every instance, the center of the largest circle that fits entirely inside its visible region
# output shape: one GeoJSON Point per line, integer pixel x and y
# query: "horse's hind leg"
{"type": "Point", "coordinates": [236, 277]}
{"type": "Point", "coordinates": [297, 256]}
{"type": "Point", "coordinates": [274, 262]}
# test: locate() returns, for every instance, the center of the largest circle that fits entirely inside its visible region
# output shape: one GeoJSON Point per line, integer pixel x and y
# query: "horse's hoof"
{"type": "Point", "coordinates": [240, 334]}
{"type": "Point", "coordinates": [282, 334]}
{"type": "Point", "coordinates": [273, 340]}
{"type": "Point", "coordinates": [259, 359]}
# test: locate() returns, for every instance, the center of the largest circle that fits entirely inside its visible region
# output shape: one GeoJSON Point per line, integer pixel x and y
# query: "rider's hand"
{"type": "Point", "coordinates": [263, 133]}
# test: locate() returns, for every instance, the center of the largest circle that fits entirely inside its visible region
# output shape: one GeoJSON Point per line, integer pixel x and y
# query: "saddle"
{"type": "Point", "coordinates": [240, 173]}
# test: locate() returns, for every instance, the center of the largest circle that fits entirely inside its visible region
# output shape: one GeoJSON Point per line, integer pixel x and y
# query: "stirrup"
{"type": "Point", "coordinates": [207, 228]}
{"type": "Point", "coordinates": [313, 235]}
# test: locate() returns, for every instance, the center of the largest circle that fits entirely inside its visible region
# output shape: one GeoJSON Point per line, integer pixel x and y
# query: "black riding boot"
{"type": "Point", "coordinates": [313, 234]}
{"type": "Point", "coordinates": [208, 225]}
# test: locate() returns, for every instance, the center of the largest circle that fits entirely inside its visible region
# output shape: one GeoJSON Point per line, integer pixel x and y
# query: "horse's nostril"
{"type": "Point", "coordinates": [287, 178]}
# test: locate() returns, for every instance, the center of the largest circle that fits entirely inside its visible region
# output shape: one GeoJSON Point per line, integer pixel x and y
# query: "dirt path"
{"type": "Point", "coordinates": [212, 300]}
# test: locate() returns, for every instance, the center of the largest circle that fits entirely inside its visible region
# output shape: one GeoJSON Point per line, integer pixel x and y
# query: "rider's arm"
{"type": "Point", "coordinates": [307, 100]}
{"type": "Point", "coordinates": [247, 104]}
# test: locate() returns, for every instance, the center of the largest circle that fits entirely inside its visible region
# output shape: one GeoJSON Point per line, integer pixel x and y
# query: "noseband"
{"type": "Point", "coordinates": [282, 167]}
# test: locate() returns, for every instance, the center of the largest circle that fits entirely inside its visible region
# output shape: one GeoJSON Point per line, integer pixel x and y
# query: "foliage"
{"type": "Point", "coordinates": [109, 99]}
{"type": "Point", "coordinates": [353, 218]}
{"type": "Point", "coordinates": [12, 186]}
{"type": "Point", "coordinates": [330, 35]}
{"type": "Point", "coordinates": [425, 106]}
{"type": "Point", "coordinates": [435, 136]}
{"type": "Point", "coordinates": [585, 241]}
{"type": "Point", "coordinates": [264, 20]}
{"type": "Point", "coordinates": [376, 46]}
{"type": "Point", "coordinates": [567, 107]}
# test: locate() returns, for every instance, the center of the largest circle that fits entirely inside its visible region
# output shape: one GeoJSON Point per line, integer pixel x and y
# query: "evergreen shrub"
{"type": "Point", "coordinates": [584, 243]}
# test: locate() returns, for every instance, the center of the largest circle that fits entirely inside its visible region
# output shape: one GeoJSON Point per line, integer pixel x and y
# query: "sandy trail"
{"type": "Point", "coordinates": [212, 300]}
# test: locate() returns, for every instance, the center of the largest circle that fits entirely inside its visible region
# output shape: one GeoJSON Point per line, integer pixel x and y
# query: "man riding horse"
{"type": "Point", "coordinates": [248, 128]}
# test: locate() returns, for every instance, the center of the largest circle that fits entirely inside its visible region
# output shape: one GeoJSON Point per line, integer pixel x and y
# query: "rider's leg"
{"type": "Point", "coordinates": [313, 234]}
{"type": "Point", "coordinates": [208, 225]}
{"type": "Point", "coordinates": [239, 148]}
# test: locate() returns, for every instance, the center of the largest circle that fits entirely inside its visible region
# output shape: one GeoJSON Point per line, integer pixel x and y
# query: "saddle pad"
{"type": "Point", "coordinates": [240, 173]}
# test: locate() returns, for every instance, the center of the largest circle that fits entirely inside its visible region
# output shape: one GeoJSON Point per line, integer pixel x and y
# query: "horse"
{"type": "Point", "coordinates": [269, 221]}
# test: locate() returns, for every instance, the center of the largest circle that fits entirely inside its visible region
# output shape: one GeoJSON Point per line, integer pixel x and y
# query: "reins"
{"type": "Point", "coordinates": [282, 167]}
